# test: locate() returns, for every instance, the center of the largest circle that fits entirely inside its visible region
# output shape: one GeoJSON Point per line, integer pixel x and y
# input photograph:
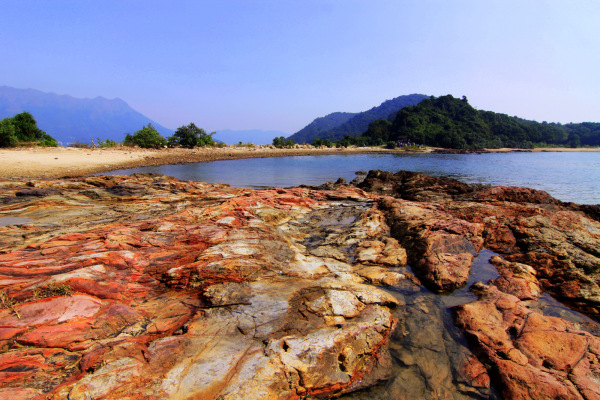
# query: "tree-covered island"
{"type": "Point", "coordinates": [453, 123]}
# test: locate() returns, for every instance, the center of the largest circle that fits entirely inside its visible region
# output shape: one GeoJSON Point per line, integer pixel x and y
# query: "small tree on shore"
{"type": "Point", "coordinates": [23, 128]}
{"type": "Point", "coordinates": [191, 136]}
{"type": "Point", "coordinates": [147, 137]}
{"type": "Point", "coordinates": [280, 142]}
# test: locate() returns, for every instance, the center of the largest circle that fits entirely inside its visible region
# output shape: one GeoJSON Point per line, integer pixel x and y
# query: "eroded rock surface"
{"type": "Point", "coordinates": [150, 287]}
{"type": "Point", "coordinates": [452, 220]}
{"type": "Point", "coordinates": [546, 245]}
{"type": "Point", "coordinates": [532, 356]}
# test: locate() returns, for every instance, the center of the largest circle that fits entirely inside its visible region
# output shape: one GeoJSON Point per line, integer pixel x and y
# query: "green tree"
{"type": "Point", "coordinates": [281, 142]}
{"type": "Point", "coordinates": [191, 136]}
{"type": "Point", "coordinates": [26, 129]}
{"type": "Point", "coordinates": [48, 141]}
{"type": "Point", "coordinates": [147, 137]}
{"type": "Point", "coordinates": [379, 131]}
{"type": "Point", "coordinates": [23, 128]}
{"type": "Point", "coordinates": [318, 142]}
{"type": "Point", "coordinates": [106, 143]}
{"type": "Point", "coordinates": [7, 133]}
{"type": "Point", "coordinates": [574, 140]}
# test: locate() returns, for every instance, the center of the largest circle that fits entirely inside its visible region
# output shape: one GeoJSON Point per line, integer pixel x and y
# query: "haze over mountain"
{"type": "Point", "coordinates": [336, 125]}
{"type": "Point", "coordinates": [255, 136]}
{"type": "Point", "coordinates": [68, 119]}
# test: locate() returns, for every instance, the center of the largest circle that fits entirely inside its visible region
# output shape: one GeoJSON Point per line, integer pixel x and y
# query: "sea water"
{"type": "Point", "coordinates": [568, 176]}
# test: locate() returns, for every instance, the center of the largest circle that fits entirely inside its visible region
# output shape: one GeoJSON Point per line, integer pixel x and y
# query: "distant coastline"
{"type": "Point", "coordinates": [39, 162]}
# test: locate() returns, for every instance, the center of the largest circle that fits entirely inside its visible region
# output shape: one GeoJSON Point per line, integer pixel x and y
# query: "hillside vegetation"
{"type": "Point", "coordinates": [320, 126]}
{"type": "Point", "coordinates": [453, 123]}
{"type": "Point", "coordinates": [336, 126]}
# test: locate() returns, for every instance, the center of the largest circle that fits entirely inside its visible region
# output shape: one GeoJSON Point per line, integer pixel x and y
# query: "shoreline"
{"type": "Point", "coordinates": [70, 162]}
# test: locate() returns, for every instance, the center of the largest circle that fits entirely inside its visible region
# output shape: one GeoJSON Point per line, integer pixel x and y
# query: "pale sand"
{"type": "Point", "coordinates": [38, 162]}
{"type": "Point", "coordinates": [59, 162]}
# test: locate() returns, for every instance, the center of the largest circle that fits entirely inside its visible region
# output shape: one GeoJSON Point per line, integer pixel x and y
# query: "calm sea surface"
{"type": "Point", "coordinates": [567, 176]}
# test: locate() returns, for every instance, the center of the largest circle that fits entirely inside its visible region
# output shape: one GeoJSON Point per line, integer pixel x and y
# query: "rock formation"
{"type": "Point", "coordinates": [155, 288]}
{"type": "Point", "coordinates": [150, 287]}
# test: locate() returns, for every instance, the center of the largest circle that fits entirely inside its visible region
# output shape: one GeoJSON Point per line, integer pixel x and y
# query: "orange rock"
{"type": "Point", "coordinates": [532, 356]}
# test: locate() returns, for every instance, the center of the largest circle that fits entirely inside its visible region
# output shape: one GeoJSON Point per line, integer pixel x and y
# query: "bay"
{"type": "Point", "coordinates": [568, 176]}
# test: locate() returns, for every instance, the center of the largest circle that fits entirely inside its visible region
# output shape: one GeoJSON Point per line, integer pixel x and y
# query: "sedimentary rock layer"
{"type": "Point", "coordinates": [156, 288]}
{"type": "Point", "coordinates": [151, 287]}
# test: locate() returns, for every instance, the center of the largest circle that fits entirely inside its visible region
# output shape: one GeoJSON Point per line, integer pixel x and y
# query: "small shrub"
{"type": "Point", "coordinates": [147, 137]}
{"type": "Point", "coordinates": [280, 142]}
{"type": "Point", "coordinates": [106, 143]}
{"type": "Point", "coordinates": [7, 302]}
{"type": "Point", "coordinates": [247, 145]}
{"type": "Point", "coordinates": [48, 141]}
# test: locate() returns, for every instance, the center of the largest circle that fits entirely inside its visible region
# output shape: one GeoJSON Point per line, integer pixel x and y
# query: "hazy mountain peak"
{"type": "Point", "coordinates": [68, 119]}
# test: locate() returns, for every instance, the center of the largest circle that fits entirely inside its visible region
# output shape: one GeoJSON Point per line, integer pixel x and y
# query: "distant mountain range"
{"type": "Point", "coordinates": [336, 125]}
{"type": "Point", "coordinates": [68, 119]}
{"type": "Point", "coordinates": [255, 136]}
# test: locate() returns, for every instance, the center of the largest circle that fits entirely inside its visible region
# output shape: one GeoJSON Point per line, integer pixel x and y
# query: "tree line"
{"type": "Point", "coordinates": [188, 136]}
{"type": "Point", "coordinates": [453, 123]}
{"type": "Point", "coordinates": [22, 129]}
{"type": "Point", "coordinates": [436, 121]}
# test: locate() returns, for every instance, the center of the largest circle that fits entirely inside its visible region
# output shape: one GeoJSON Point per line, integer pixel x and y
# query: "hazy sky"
{"type": "Point", "coordinates": [278, 64]}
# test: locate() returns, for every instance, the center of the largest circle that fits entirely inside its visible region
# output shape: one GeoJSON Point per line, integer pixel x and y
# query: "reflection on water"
{"type": "Point", "coordinates": [567, 176]}
{"type": "Point", "coordinates": [428, 351]}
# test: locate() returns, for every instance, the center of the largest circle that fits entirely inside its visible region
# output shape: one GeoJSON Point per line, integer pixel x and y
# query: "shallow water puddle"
{"type": "Point", "coordinates": [428, 351]}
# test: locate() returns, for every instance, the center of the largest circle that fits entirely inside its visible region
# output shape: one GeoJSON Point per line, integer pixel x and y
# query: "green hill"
{"type": "Point", "coordinates": [337, 125]}
{"type": "Point", "coordinates": [321, 125]}
{"type": "Point", "coordinates": [453, 123]}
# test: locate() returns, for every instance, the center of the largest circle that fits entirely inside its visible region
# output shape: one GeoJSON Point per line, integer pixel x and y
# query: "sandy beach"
{"type": "Point", "coordinates": [59, 162]}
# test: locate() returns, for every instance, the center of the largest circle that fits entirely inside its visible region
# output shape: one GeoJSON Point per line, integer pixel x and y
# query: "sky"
{"type": "Point", "coordinates": [279, 64]}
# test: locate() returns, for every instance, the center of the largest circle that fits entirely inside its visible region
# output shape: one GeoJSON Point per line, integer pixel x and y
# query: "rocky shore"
{"type": "Point", "coordinates": [149, 287]}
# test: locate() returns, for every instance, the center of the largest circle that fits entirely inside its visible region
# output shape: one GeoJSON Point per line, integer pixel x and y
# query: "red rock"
{"type": "Point", "coordinates": [192, 290]}
{"type": "Point", "coordinates": [516, 279]}
{"type": "Point", "coordinates": [18, 393]}
{"type": "Point", "coordinates": [475, 371]}
{"type": "Point", "coordinates": [159, 308]}
{"type": "Point", "coordinates": [532, 356]}
{"type": "Point", "coordinates": [36, 368]}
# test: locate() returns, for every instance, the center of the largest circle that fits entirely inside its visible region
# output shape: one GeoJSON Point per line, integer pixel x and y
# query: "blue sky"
{"type": "Point", "coordinates": [278, 64]}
